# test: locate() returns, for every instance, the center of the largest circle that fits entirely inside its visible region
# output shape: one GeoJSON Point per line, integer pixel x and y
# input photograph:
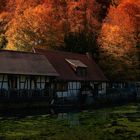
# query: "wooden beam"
{"type": "Point", "coordinates": [2, 82]}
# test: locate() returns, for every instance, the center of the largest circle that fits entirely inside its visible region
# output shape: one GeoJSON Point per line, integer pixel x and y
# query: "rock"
{"type": "Point", "coordinates": [119, 131]}
{"type": "Point", "coordinates": [114, 123]}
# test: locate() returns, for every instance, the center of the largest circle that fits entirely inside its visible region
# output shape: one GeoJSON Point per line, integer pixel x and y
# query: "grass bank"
{"type": "Point", "coordinates": [116, 123]}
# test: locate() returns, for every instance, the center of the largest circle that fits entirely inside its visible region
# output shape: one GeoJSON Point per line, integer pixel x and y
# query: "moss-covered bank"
{"type": "Point", "coordinates": [117, 123]}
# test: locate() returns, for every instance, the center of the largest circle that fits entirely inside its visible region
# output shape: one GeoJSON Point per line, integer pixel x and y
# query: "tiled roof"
{"type": "Point", "coordinates": [58, 60]}
{"type": "Point", "coordinates": [14, 62]}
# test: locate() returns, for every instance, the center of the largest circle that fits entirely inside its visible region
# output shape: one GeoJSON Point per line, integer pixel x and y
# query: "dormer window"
{"type": "Point", "coordinates": [80, 71]}
{"type": "Point", "coordinates": [79, 67]}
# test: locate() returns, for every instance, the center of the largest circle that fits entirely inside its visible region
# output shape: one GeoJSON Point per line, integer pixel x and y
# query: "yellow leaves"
{"type": "Point", "coordinates": [119, 29]}
{"type": "Point", "coordinates": [10, 46]}
{"type": "Point", "coordinates": [110, 30]}
{"type": "Point", "coordinates": [36, 24]}
{"type": "Point", "coordinates": [116, 44]}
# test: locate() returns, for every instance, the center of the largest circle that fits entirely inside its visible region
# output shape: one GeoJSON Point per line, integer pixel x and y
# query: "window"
{"type": "Point", "coordinates": [62, 86]}
{"type": "Point", "coordinates": [100, 87]}
{"type": "Point", "coordinates": [81, 71]}
{"type": "Point", "coordinates": [33, 82]}
{"type": "Point", "coordinates": [12, 81]}
{"type": "Point", "coordinates": [79, 67]}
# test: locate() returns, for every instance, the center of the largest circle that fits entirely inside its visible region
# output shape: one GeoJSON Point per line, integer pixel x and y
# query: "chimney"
{"type": "Point", "coordinates": [33, 50]}
{"type": "Point", "coordinates": [89, 55]}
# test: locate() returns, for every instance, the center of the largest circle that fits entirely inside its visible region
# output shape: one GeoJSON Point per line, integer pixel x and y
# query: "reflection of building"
{"type": "Point", "coordinates": [124, 88]}
{"type": "Point", "coordinates": [25, 75]}
{"type": "Point", "coordinates": [79, 76]}
{"type": "Point", "coordinates": [70, 117]}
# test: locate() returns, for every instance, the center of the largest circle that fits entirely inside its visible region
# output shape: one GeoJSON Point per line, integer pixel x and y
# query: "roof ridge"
{"type": "Point", "coordinates": [58, 60]}
{"type": "Point", "coordinates": [24, 52]}
{"type": "Point", "coordinates": [59, 51]}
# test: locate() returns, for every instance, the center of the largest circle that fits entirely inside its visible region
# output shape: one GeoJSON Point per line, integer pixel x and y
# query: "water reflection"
{"type": "Point", "coordinates": [62, 114]}
{"type": "Point", "coordinates": [71, 117]}
{"type": "Point", "coordinates": [74, 117]}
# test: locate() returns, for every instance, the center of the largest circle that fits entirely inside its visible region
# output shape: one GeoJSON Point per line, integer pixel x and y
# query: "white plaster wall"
{"type": "Point", "coordinates": [71, 92]}
{"type": "Point", "coordinates": [23, 85]}
{"type": "Point", "coordinates": [72, 85]}
{"type": "Point", "coordinates": [25, 82]}
{"type": "Point", "coordinates": [42, 84]}
{"type": "Point", "coordinates": [5, 84]}
{"type": "Point", "coordinates": [103, 91]}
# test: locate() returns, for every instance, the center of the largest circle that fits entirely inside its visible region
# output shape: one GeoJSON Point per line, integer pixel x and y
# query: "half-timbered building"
{"type": "Point", "coordinates": [79, 75]}
{"type": "Point", "coordinates": [25, 75]}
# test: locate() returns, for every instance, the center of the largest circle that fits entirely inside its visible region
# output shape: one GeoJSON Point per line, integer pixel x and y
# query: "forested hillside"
{"type": "Point", "coordinates": [109, 29]}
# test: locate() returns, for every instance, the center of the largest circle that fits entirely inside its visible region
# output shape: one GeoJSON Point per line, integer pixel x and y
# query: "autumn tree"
{"type": "Point", "coordinates": [82, 26]}
{"type": "Point", "coordinates": [36, 26]}
{"type": "Point", "coordinates": [4, 19]}
{"type": "Point", "coordinates": [68, 25]}
{"type": "Point", "coordinates": [75, 25]}
{"type": "Point", "coordinates": [118, 40]}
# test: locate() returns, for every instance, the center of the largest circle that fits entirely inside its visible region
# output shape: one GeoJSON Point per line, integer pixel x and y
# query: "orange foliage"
{"type": "Point", "coordinates": [36, 26]}
{"type": "Point", "coordinates": [120, 35]}
{"type": "Point", "coordinates": [121, 27]}
{"type": "Point", "coordinates": [83, 16]}
{"type": "Point", "coordinates": [50, 20]}
{"type": "Point", "coordinates": [74, 24]}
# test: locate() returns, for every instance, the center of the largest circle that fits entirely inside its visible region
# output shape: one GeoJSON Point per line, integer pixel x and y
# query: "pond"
{"type": "Point", "coordinates": [115, 123]}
